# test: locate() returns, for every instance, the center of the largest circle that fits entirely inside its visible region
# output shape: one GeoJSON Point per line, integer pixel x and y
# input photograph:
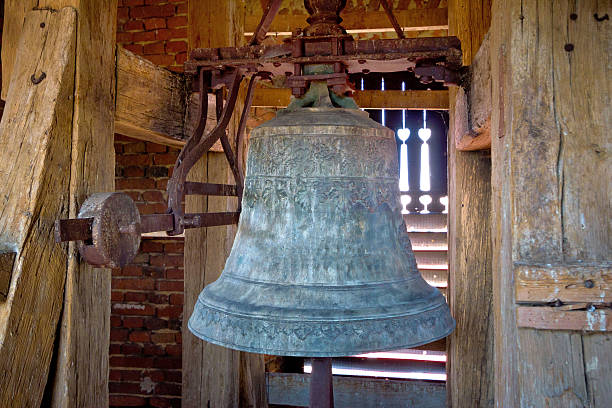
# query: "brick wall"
{"type": "Point", "coordinates": [147, 296]}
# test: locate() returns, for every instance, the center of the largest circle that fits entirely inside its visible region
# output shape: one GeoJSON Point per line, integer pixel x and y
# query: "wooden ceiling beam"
{"type": "Point", "coordinates": [409, 20]}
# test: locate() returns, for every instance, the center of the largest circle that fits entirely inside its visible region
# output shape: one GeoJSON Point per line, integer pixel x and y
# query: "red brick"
{"type": "Point", "coordinates": [134, 283]}
{"type": "Point", "coordinates": [161, 184]}
{"type": "Point", "coordinates": [182, 8]}
{"type": "Point", "coordinates": [123, 14]}
{"type": "Point", "coordinates": [175, 273]}
{"type": "Point", "coordinates": [176, 22]}
{"type": "Point", "coordinates": [175, 324]}
{"type": "Point", "coordinates": [135, 296]}
{"type": "Point", "coordinates": [146, 12]}
{"type": "Point", "coordinates": [162, 60]}
{"type": "Point", "coordinates": [135, 48]}
{"type": "Point", "coordinates": [116, 296]}
{"type": "Point", "coordinates": [134, 195]}
{"type": "Point", "coordinates": [151, 246]}
{"type": "Point", "coordinates": [114, 375]}
{"type": "Point", "coordinates": [180, 58]}
{"type": "Point", "coordinates": [155, 375]}
{"type": "Point", "coordinates": [154, 24]}
{"type": "Point", "coordinates": [162, 338]}
{"type": "Point", "coordinates": [118, 148]}
{"type": "Point", "coordinates": [144, 36]}
{"type": "Point", "coordinates": [168, 389]}
{"type": "Point", "coordinates": [114, 349]}
{"type": "Point", "coordinates": [158, 298]}
{"type": "Point", "coordinates": [179, 338]}
{"type": "Point", "coordinates": [153, 48]}
{"type": "Point", "coordinates": [125, 37]}
{"type": "Point", "coordinates": [133, 309]}
{"type": "Point", "coordinates": [179, 33]}
{"type": "Point", "coordinates": [126, 401]}
{"type": "Point", "coordinates": [118, 334]}
{"type": "Point", "coordinates": [134, 183]}
{"type": "Point", "coordinates": [140, 336]}
{"type": "Point", "coordinates": [153, 350]}
{"type": "Point", "coordinates": [133, 160]}
{"type": "Point", "coordinates": [133, 171]}
{"type": "Point", "coordinates": [164, 402]}
{"type": "Point", "coordinates": [173, 376]}
{"type": "Point", "coordinates": [167, 260]}
{"type": "Point", "coordinates": [122, 138]}
{"type": "Point", "coordinates": [131, 322]}
{"type": "Point", "coordinates": [176, 247]}
{"type": "Point", "coordinates": [152, 208]}
{"type": "Point", "coordinates": [167, 362]}
{"type": "Point", "coordinates": [174, 350]}
{"type": "Point", "coordinates": [175, 299]}
{"type": "Point", "coordinates": [133, 2]}
{"type": "Point", "coordinates": [138, 147]}
{"type": "Point", "coordinates": [166, 158]}
{"type": "Point", "coordinates": [124, 388]}
{"type": "Point", "coordinates": [176, 46]}
{"type": "Point", "coordinates": [154, 196]}
{"type": "Point", "coordinates": [115, 321]}
{"type": "Point", "coordinates": [130, 375]}
{"type": "Point", "coordinates": [133, 25]}
{"type": "Point", "coordinates": [170, 311]}
{"type": "Point", "coordinates": [141, 257]}
{"type": "Point", "coordinates": [163, 34]}
{"type": "Point", "coordinates": [168, 10]}
{"type": "Point", "coordinates": [154, 272]}
{"type": "Point", "coordinates": [131, 270]}
{"type": "Point", "coordinates": [156, 148]}
{"type": "Point", "coordinates": [154, 323]}
{"type": "Point", "coordinates": [131, 349]}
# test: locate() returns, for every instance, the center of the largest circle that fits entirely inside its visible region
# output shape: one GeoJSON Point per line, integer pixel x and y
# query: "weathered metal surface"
{"type": "Point", "coordinates": [115, 230]}
{"type": "Point", "coordinates": [192, 187]}
{"type": "Point", "coordinates": [78, 229]}
{"type": "Point", "coordinates": [321, 265]}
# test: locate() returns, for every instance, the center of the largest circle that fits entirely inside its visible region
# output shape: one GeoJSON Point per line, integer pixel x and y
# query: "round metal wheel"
{"type": "Point", "coordinates": [115, 230]}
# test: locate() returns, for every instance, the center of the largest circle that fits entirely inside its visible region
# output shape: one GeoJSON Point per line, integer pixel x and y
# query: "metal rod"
{"type": "Point", "coordinates": [156, 223]}
{"type": "Point", "coordinates": [392, 19]}
{"type": "Point", "coordinates": [193, 188]}
{"type": "Point", "coordinates": [264, 23]}
{"type": "Point", "coordinates": [321, 383]}
{"type": "Point", "coordinates": [76, 229]}
{"type": "Point", "coordinates": [210, 219]}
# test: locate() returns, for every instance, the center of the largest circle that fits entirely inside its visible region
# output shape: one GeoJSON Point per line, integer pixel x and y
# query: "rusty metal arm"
{"type": "Point", "coordinates": [392, 19]}
{"type": "Point", "coordinates": [264, 24]}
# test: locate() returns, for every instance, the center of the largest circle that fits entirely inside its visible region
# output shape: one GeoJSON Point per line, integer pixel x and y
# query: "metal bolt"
{"type": "Point", "coordinates": [365, 71]}
{"type": "Point", "coordinates": [589, 284]}
{"type": "Point", "coordinates": [42, 25]}
{"type": "Point", "coordinates": [276, 64]}
{"type": "Point", "coordinates": [361, 61]}
{"type": "Point", "coordinates": [573, 16]}
{"type": "Point", "coordinates": [569, 47]}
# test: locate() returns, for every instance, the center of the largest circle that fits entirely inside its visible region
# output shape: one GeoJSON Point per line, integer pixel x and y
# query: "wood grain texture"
{"type": "Point", "coordinates": [393, 99]}
{"type": "Point", "coordinates": [550, 127]}
{"type": "Point", "coordinates": [14, 16]}
{"type": "Point", "coordinates": [349, 392]}
{"type": "Point", "coordinates": [81, 374]}
{"type": "Point", "coordinates": [35, 135]}
{"type": "Point", "coordinates": [473, 106]}
{"type": "Point", "coordinates": [212, 375]}
{"type": "Point", "coordinates": [151, 101]}
{"type": "Point", "coordinates": [411, 20]}
{"type": "Point", "coordinates": [470, 347]}
{"type": "Point", "coordinates": [551, 318]}
{"type": "Point", "coordinates": [567, 283]}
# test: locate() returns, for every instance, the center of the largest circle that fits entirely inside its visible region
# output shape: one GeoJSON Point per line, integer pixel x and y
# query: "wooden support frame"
{"type": "Point", "coordinates": [35, 140]}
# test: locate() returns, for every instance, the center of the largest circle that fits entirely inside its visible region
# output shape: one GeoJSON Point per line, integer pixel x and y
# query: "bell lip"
{"type": "Point", "coordinates": [286, 353]}
{"type": "Point", "coordinates": [231, 338]}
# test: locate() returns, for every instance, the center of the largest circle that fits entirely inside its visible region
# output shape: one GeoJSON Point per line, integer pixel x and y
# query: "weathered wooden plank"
{"type": "Point", "coordinates": [212, 375]}
{"type": "Point", "coordinates": [550, 124]}
{"type": "Point", "coordinates": [35, 135]}
{"type": "Point", "coordinates": [81, 377]}
{"type": "Point", "coordinates": [473, 108]}
{"type": "Point", "coordinates": [151, 101]}
{"type": "Point", "coordinates": [470, 347]}
{"type": "Point", "coordinates": [568, 283]}
{"type": "Point", "coordinates": [293, 390]}
{"type": "Point", "coordinates": [551, 318]}
{"type": "Point", "coordinates": [14, 16]}
{"type": "Point", "coordinates": [410, 20]}
{"type": "Point", "coordinates": [392, 99]}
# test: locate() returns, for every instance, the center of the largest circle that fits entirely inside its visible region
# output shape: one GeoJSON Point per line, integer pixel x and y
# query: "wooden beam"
{"type": "Point", "coordinates": [293, 390]}
{"type": "Point", "coordinates": [582, 283]}
{"type": "Point", "coordinates": [212, 375]}
{"type": "Point", "coordinates": [470, 347]}
{"type": "Point", "coordinates": [473, 108]}
{"type": "Point", "coordinates": [35, 140]}
{"type": "Point", "coordinates": [550, 127]}
{"type": "Point", "coordinates": [418, 100]}
{"type": "Point", "coordinates": [81, 376]}
{"type": "Point", "coordinates": [375, 21]}
{"type": "Point", "coordinates": [552, 318]}
{"type": "Point", "coordinates": [14, 15]}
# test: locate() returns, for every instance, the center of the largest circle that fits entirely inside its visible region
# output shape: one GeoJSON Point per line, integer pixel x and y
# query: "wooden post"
{"type": "Point", "coordinates": [212, 375]}
{"type": "Point", "coordinates": [81, 374]}
{"type": "Point", "coordinates": [470, 347]}
{"type": "Point", "coordinates": [35, 136]}
{"type": "Point", "coordinates": [550, 129]}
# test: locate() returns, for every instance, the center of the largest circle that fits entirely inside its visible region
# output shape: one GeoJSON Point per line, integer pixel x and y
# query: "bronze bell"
{"type": "Point", "coordinates": [321, 265]}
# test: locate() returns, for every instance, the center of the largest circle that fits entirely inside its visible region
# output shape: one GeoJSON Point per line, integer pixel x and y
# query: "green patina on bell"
{"type": "Point", "coordinates": [321, 264]}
